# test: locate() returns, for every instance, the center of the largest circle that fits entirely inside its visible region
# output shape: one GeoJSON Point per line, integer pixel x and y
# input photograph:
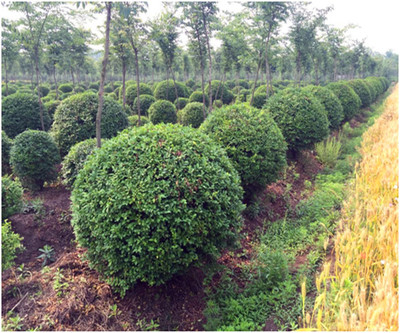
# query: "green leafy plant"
{"type": "Point", "coordinates": [191, 115]}
{"type": "Point", "coordinates": [11, 196]}
{"type": "Point", "coordinates": [162, 111]}
{"type": "Point", "coordinates": [350, 101]}
{"type": "Point", "coordinates": [114, 312]}
{"type": "Point", "coordinates": [220, 91]}
{"type": "Point", "coordinates": [59, 283]}
{"type": "Point", "coordinates": [13, 323]}
{"type": "Point", "coordinates": [134, 120]}
{"type": "Point", "coordinates": [197, 96]}
{"type": "Point", "coordinates": [6, 144]}
{"type": "Point", "coordinates": [10, 245]}
{"type": "Point", "coordinates": [158, 196]}
{"type": "Point", "coordinates": [362, 90]}
{"type": "Point", "coordinates": [66, 87]}
{"type": "Point", "coordinates": [259, 100]}
{"type": "Point", "coordinates": [33, 158]}
{"type": "Point", "coordinates": [145, 103]}
{"type": "Point", "coordinates": [47, 254]}
{"type": "Point", "coordinates": [328, 151]}
{"type": "Point", "coordinates": [165, 90]}
{"type": "Point", "coordinates": [181, 102]}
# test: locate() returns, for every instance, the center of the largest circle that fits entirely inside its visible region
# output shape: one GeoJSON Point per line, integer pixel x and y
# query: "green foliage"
{"type": "Point", "coordinates": [66, 87]}
{"type": "Point", "coordinates": [51, 107]}
{"type": "Point", "coordinates": [75, 119]}
{"type": "Point", "coordinates": [252, 140]}
{"type": "Point", "coordinates": [134, 120]}
{"type": "Point", "coordinates": [181, 102]}
{"type": "Point", "coordinates": [6, 144]}
{"type": "Point", "coordinates": [94, 86]}
{"type": "Point", "coordinates": [21, 112]}
{"type": "Point", "coordinates": [10, 245]}
{"type": "Point", "coordinates": [362, 90]}
{"type": "Point", "coordinates": [375, 86]}
{"type": "Point", "coordinates": [66, 95]}
{"type": "Point", "coordinates": [190, 83]}
{"type": "Point", "coordinates": [44, 90]}
{"type": "Point", "coordinates": [218, 103]}
{"type": "Point", "coordinates": [350, 101]}
{"type": "Point", "coordinates": [145, 103]}
{"type": "Point", "coordinates": [74, 161]}
{"type": "Point", "coordinates": [300, 116]}
{"type": "Point", "coordinates": [331, 104]}
{"type": "Point", "coordinates": [328, 151]}
{"type": "Point", "coordinates": [33, 158]}
{"type": "Point", "coordinates": [220, 91]}
{"type": "Point", "coordinates": [111, 95]}
{"type": "Point", "coordinates": [47, 254]}
{"type": "Point", "coordinates": [191, 115]}
{"type": "Point", "coordinates": [272, 267]}
{"type": "Point", "coordinates": [131, 93]}
{"type": "Point", "coordinates": [259, 100]}
{"type": "Point", "coordinates": [165, 90]}
{"type": "Point", "coordinates": [11, 90]}
{"type": "Point", "coordinates": [11, 197]}
{"type": "Point", "coordinates": [162, 111]}
{"type": "Point", "coordinates": [197, 96]}
{"type": "Point", "coordinates": [244, 84]}
{"type": "Point", "coordinates": [159, 197]}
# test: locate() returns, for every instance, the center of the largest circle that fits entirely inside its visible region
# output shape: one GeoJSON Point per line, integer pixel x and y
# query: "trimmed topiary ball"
{"type": "Point", "coordinates": [191, 115]}
{"type": "Point", "coordinates": [152, 201]}
{"type": "Point", "coordinates": [131, 93]}
{"type": "Point", "coordinates": [259, 100]}
{"type": "Point", "coordinates": [44, 90]}
{"type": "Point", "coordinates": [134, 120]}
{"type": "Point", "coordinates": [51, 107]}
{"type": "Point", "coordinates": [33, 158]}
{"type": "Point", "coordinates": [362, 90]}
{"type": "Point", "coordinates": [21, 112]}
{"type": "Point", "coordinates": [331, 104]}
{"type": "Point", "coordinates": [375, 86]}
{"type": "Point", "coordinates": [181, 102]}
{"type": "Point", "coordinates": [350, 101]}
{"type": "Point", "coordinates": [145, 103]}
{"type": "Point", "coordinates": [300, 116]}
{"type": "Point", "coordinates": [217, 103]}
{"type": "Point", "coordinates": [66, 87]}
{"type": "Point", "coordinates": [75, 120]}
{"type": "Point", "coordinates": [6, 144]}
{"type": "Point", "coordinates": [11, 90]}
{"type": "Point", "coordinates": [197, 96]}
{"type": "Point", "coordinates": [190, 83]}
{"type": "Point", "coordinates": [244, 83]}
{"type": "Point", "coordinates": [165, 90]}
{"type": "Point", "coordinates": [252, 140]}
{"type": "Point", "coordinates": [11, 197]}
{"type": "Point", "coordinates": [162, 112]}
{"type": "Point", "coordinates": [220, 91]}
{"type": "Point", "coordinates": [94, 85]}
{"type": "Point", "coordinates": [74, 161]}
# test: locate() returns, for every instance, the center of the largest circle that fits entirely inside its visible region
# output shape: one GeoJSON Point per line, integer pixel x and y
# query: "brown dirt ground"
{"type": "Point", "coordinates": [85, 303]}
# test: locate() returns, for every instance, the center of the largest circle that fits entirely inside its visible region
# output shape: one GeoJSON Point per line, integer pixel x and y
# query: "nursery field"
{"type": "Point", "coordinates": [245, 185]}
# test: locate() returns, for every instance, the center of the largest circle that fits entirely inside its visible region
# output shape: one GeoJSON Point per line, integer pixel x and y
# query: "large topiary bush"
{"type": "Point", "coordinates": [259, 100]}
{"type": "Point", "coordinates": [66, 87]}
{"type": "Point", "coordinates": [6, 144]}
{"type": "Point", "coordinates": [74, 161]}
{"type": "Point", "coordinates": [152, 201]}
{"type": "Point", "coordinates": [21, 112]}
{"type": "Point", "coordinates": [375, 86]}
{"type": "Point", "coordinates": [197, 96]}
{"type": "Point", "coordinates": [162, 112]}
{"type": "Point", "coordinates": [165, 90]}
{"type": "Point", "coordinates": [362, 90]}
{"type": "Point", "coordinates": [181, 102]}
{"type": "Point", "coordinates": [350, 101]}
{"type": "Point", "coordinates": [33, 158]}
{"type": "Point", "coordinates": [300, 116]}
{"type": "Point", "coordinates": [11, 197]}
{"type": "Point", "coordinates": [331, 104]}
{"type": "Point", "coordinates": [10, 245]}
{"type": "Point", "coordinates": [220, 91]}
{"type": "Point", "coordinates": [44, 90]}
{"type": "Point", "coordinates": [75, 120]}
{"type": "Point", "coordinates": [252, 140]}
{"type": "Point", "coordinates": [131, 93]}
{"type": "Point", "coordinates": [134, 120]}
{"type": "Point", "coordinates": [51, 107]}
{"type": "Point", "coordinates": [11, 90]}
{"type": "Point", "coordinates": [191, 114]}
{"type": "Point", "coordinates": [145, 102]}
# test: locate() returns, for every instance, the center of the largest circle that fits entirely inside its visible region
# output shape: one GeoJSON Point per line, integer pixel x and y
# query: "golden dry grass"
{"type": "Point", "coordinates": [361, 292]}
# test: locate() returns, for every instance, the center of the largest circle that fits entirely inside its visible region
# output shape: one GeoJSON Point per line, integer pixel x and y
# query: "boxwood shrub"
{"type": "Point", "coordinates": [94, 86]}
{"type": "Point", "coordinates": [66, 87]}
{"type": "Point", "coordinates": [331, 104]}
{"type": "Point", "coordinates": [134, 120]}
{"type": "Point", "coordinates": [73, 162]}
{"type": "Point", "coordinates": [181, 102]}
{"type": "Point", "coordinates": [191, 115]}
{"type": "Point", "coordinates": [300, 116]}
{"type": "Point", "coordinates": [10, 245]}
{"type": "Point", "coordinates": [350, 101]}
{"type": "Point", "coordinates": [162, 111]}
{"type": "Point", "coordinates": [165, 90]}
{"type": "Point", "coordinates": [20, 112]}
{"type": "Point", "coordinates": [131, 92]}
{"type": "Point", "coordinates": [11, 197]}
{"type": "Point", "coordinates": [152, 201]}
{"type": "Point", "coordinates": [252, 140]}
{"type": "Point", "coordinates": [259, 100]}
{"type": "Point", "coordinates": [220, 91]}
{"type": "Point", "coordinates": [145, 102]}
{"type": "Point", "coordinates": [197, 96]}
{"type": "Point", "coordinates": [75, 120]}
{"type": "Point", "coordinates": [33, 158]}
{"type": "Point", "coordinates": [51, 107]}
{"type": "Point", "coordinates": [376, 86]}
{"type": "Point", "coordinates": [44, 90]}
{"type": "Point", "coordinates": [6, 144]}
{"type": "Point", "coordinates": [11, 90]}
{"type": "Point", "coordinates": [362, 90]}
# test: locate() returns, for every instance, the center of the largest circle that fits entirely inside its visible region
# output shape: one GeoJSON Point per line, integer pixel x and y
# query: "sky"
{"type": "Point", "coordinates": [378, 22]}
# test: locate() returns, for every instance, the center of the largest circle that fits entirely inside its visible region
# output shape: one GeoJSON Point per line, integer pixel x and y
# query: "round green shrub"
{"type": "Point", "coordinates": [134, 120]}
{"type": "Point", "coordinates": [33, 158]}
{"type": "Point", "coordinates": [230, 83]}
{"type": "Point", "coordinates": [181, 102]}
{"type": "Point", "coordinates": [236, 90]}
{"type": "Point", "coordinates": [94, 86]}
{"type": "Point", "coordinates": [218, 103]}
{"type": "Point", "coordinates": [112, 95]}
{"type": "Point", "coordinates": [145, 103]}
{"type": "Point", "coordinates": [51, 107]}
{"type": "Point", "coordinates": [259, 100]}
{"type": "Point", "coordinates": [6, 144]}
{"type": "Point", "coordinates": [252, 140]}
{"type": "Point", "coordinates": [263, 90]}
{"type": "Point", "coordinates": [80, 89]}
{"type": "Point", "coordinates": [197, 96]}
{"type": "Point", "coordinates": [152, 201]}
{"type": "Point", "coordinates": [331, 103]}
{"type": "Point", "coordinates": [66, 95]}
{"type": "Point", "coordinates": [11, 90]}
{"type": "Point", "coordinates": [244, 83]}
{"type": "Point", "coordinates": [223, 93]}
{"type": "Point", "coordinates": [74, 161]}
{"type": "Point", "coordinates": [300, 116]}
{"type": "Point", "coordinates": [44, 90]}
{"type": "Point", "coordinates": [372, 89]}
{"type": "Point", "coordinates": [362, 90]}
{"type": "Point", "coordinates": [165, 90]}
{"type": "Point", "coordinates": [350, 101]}
{"type": "Point", "coordinates": [191, 114]}
{"type": "Point", "coordinates": [11, 197]}
{"type": "Point", "coordinates": [162, 112]}
{"type": "Point", "coordinates": [75, 120]}
{"type": "Point", "coordinates": [190, 83]}
{"type": "Point", "coordinates": [385, 83]}
{"type": "Point", "coordinates": [108, 88]}
{"type": "Point", "coordinates": [131, 92]}
{"type": "Point", "coordinates": [66, 87]}
{"type": "Point", "coordinates": [10, 245]}
{"type": "Point", "coordinates": [21, 112]}
{"type": "Point", "coordinates": [376, 84]}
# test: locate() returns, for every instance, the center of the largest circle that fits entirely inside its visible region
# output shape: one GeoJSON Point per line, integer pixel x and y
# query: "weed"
{"type": "Point", "coordinates": [13, 323]}
{"type": "Point", "coordinates": [114, 311]}
{"type": "Point", "coordinates": [328, 151]}
{"type": "Point", "coordinates": [47, 254]}
{"type": "Point", "coordinates": [58, 285]}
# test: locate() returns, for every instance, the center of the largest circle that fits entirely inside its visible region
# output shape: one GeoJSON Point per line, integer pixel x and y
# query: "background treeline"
{"type": "Point", "coordinates": [179, 44]}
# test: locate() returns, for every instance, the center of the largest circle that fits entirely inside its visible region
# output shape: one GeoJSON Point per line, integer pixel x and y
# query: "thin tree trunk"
{"type": "Point", "coordinates": [209, 64]}
{"type": "Point", "coordinates": [55, 81]}
{"type": "Point", "coordinates": [5, 70]}
{"type": "Point", "coordinates": [38, 88]}
{"type": "Point", "coordinates": [256, 79]}
{"type": "Point", "coordinates": [202, 88]}
{"type": "Point", "coordinates": [103, 75]}
{"type": "Point", "coordinates": [123, 83]}
{"type": "Point", "coordinates": [137, 84]}
{"type": "Point", "coordinates": [334, 69]}
{"type": "Point", "coordinates": [175, 87]}
{"type": "Point", "coordinates": [73, 78]}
